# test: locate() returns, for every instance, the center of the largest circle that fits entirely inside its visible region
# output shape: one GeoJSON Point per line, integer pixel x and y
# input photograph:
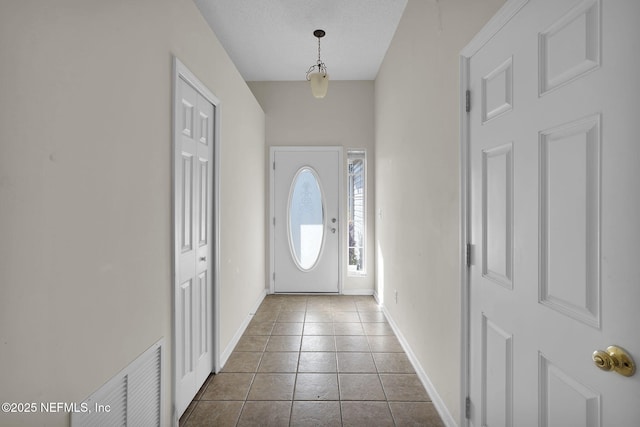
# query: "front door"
{"type": "Point", "coordinates": [306, 223]}
{"type": "Point", "coordinates": [555, 211]}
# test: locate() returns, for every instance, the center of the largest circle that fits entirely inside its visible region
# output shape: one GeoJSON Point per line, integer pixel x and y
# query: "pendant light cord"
{"type": "Point", "coordinates": [320, 65]}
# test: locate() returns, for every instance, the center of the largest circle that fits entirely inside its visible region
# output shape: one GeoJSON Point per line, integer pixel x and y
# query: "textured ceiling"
{"type": "Point", "coordinates": [273, 39]}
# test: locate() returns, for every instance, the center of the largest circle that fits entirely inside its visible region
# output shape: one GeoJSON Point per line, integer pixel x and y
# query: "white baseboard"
{"type": "Point", "coordinates": [236, 337]}
{"type": "Point", "coordinates": [438, 403]}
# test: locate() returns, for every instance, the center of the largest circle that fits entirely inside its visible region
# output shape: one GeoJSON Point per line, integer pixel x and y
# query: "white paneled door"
{"type": "Point", "coordinates": [555, 208]}
{"type": "Point", "coordinates": [306, 223]}
{"type": "Point", "coordinates": [193, 175]}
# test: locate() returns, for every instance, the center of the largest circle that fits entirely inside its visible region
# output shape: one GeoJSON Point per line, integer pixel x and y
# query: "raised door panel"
{"type": "Point", "coordinates": [497, 91]}
{"type": "Point", "coordinates": [564, 401]}
{"type": "Point", "coordinates": [186, 328]}
{"type": "Point", "coordinates": [570, 47]}
{"type": "Point", "coordinates": [497, 214]}
{"type": "Point", "coordinates": [497, 375]}
{"type": "Point", "coordinates": [570, 219]}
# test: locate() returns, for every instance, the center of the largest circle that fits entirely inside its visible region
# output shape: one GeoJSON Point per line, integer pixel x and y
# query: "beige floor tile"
{"type": "Point", "coordinates": [403, 387]}
{"type": "Point", "coordinates": [242, 361]}
{"type": "Point", "coordinates": [263, 414]}
{"type": "Point", "coordinates": [319, 304]}
{"type": "Point", "coordinates": [291, 316]}
{"type": "Point", "coordinates": [294, 306]}
{"type": "Point", "coordinates": [378, 328]}
{"type": "Point", "coordinates": [415, 414]}
{"type": "Point", "coordinates": [311, 328]}
{"type": "Point", "coordinates": [282, 362]}
{"type": "Point", "coordinates": [355, 363]}
{"type": "Point", "coordinates": [352, 343]}
{"type": "Point", "coordinates": [228, 387]}
{"type": "Point", "coordinates": [272, 387]}
{"type": "Point", "coordinates": [368, 306]}
{"type": "Point", "coordinates": [318, 343]}
{"type": "Point", "coordinates": [361, 414]}
{"type": "Point", "coordinates": [215, 413]}
{"type": "Point", "coordinates": [345, 317]}
{"type": "Point", "coordinates": [343, 305]}
{"type": "Point", "coordinates": [317, 362]}
{"type": "Point", "coordinates": [252, 343]}
{"type": "Point", "coordinates": [284, 343]}
{"type": "Point", "coordinates": [314, 414]}
{"type": "Point", "coordinates": [372, 316]}
{"type": "Point", "coordinates": [287, 329]}
{"type": "Point", "coordinates": [317, 308]}
{"type": "Point", "coordinates": [317, 387]}
{"type": "Point", "coordinates": [259, 328]}
{"type": "Point", "coordinates": [360, 387]}
{"type": "Point", "coordinates": [318, 316]}
{"type": "Point", "coordinates": [397, 363]}
{"type": "Point", "coordinates": [348, 329]}
{"type": "Point", "coordinates": [266, 316]}
{"type": "Point", "coordinates": [204, 387]}
{"type": "Point", "coordinates": [384, 344]}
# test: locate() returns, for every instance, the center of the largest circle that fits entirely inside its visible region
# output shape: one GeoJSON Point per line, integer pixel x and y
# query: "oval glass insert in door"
{"type": "Point", "coordinates": [305, 215]}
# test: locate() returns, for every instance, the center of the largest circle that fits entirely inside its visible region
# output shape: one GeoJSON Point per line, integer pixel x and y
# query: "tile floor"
{"type": "Point", "coordinates": [315, 361]}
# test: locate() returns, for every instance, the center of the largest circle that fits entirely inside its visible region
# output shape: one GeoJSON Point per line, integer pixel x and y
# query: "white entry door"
{"type": "Point", "coordinates": [555, 216]}
{"type": "Point", "coordinates": [193, 184]}
{"type": "Point", "coordinates": [306, 223]}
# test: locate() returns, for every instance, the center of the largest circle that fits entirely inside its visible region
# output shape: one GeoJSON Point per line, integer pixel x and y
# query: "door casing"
{"type": "Point", "coordinates": [341, 213]}
{"type": "Point", "coordinates": [180, 71]}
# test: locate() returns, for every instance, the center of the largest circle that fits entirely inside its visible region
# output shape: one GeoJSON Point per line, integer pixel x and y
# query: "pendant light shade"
{"type": "Point", "coordinates": [317, 74]}
{"type": "Point", "coordinates": [319, 84]}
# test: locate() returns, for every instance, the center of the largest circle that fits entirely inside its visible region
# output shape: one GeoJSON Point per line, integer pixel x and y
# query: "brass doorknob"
{"type": "Point", "coordinates": [614, 359]}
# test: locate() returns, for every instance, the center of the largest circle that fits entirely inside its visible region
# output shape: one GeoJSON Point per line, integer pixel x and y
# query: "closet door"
{"type": "Point", "coordinates": [193, 221]}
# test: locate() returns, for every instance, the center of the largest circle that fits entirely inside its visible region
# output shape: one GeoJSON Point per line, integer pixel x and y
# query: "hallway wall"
{"type": "Point", "coordinates": [85, 190]}
{"type": "Point", "coordinates": [344, 117]}
{"type": "Point", "coordinates": [417, 182]}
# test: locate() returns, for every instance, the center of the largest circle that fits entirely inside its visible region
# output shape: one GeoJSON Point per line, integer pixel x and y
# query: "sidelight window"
{"type": "Point", "coordinates": [356, 211]}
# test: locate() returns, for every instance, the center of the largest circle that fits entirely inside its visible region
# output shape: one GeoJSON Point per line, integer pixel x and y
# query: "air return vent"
{"type": "Point", "coordinates": [131, 398]}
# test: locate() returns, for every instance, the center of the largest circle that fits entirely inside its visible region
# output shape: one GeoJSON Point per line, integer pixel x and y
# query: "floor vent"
{"type": "Point", "coordinates": [131, 398]}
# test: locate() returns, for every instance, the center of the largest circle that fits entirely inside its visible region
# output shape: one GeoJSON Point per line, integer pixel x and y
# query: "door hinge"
{"type": "Point", "coordinates": [274, 221]}
{"type": "Point", "coordinates": [467, 96]}
{"type": "Point", "coordinates": [467, 408]}
{"type": "Point", "coordinates": [274, 276]}
{"type": "Point", "coordinates": [274, 165]}
{"type": "Point", "coordinates": [468, 255]}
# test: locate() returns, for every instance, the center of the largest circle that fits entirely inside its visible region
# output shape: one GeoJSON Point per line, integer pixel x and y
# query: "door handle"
{"type": "Point", "coordinates": [614, 359]}
{"type": "Point", "coordinates": [203, 258]}
{"type": "Point", "coordinates": [333, 230]}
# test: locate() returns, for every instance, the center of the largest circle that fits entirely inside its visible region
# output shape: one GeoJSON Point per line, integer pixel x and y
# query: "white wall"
{"type": "Point", "coordinates": [85, 190]}
{"type": "Point", "coordinates": [417, 185]}
{"type": "Point", "coordinates": [344, 117]}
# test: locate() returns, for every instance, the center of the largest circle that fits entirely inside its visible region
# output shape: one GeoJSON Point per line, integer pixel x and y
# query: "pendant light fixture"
{"type": "Point", "coordinates": [317, 74]}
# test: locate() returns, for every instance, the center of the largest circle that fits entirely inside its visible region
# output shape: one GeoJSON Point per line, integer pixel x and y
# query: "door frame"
{"type": "Point", "coordinates": [180, 71]}
{"type": "Point", "coordinates": [495, 24]}
{"type": "Point", "coordinates": [271, 218]}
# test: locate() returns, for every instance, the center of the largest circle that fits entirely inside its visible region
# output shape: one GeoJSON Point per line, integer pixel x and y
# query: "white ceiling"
{"type": "Point", "coordinates": [273, 39]}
